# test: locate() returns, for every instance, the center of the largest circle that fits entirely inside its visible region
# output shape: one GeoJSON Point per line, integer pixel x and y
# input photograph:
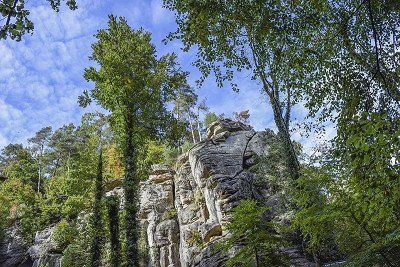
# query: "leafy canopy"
{"type": "Point", "coordinates": [16, 17]}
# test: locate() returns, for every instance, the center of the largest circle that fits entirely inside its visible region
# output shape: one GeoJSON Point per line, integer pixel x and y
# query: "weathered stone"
{"type": "Point", "coordinates": [158, 217]}
{"type": "Point", "coordinates": [44, 251]}
{"type": "Point", "coordinates": [112, 184]}
{"type": "Point", "coordinates": [13, 249]}
{"type": "Point", "coordinates": [209, 180]}
{"type": "Point", "coordinates": [182, 211]}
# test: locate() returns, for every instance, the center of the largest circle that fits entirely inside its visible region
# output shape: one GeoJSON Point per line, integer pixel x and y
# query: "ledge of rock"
{"type": "Point", "coordinates": [183, 211]}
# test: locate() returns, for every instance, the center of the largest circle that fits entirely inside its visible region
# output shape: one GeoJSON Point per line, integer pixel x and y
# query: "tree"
{"type": "Point", "coordinates": [96, 219]}
{"type": "Point", "coordinates": [16, 17]}
{"type": "Point", "coordinates": [18, 163]}
{"type": "Point", "coordinates": [211, 117]}
{"type": "Point", "coordinates": [63, 144]}
{"type": "Point", "coordinates": [203, 108]}
{"type": "Point", "coordinates": [237, 35]}
{"type": "Point", "coordinates": [253, 237]}
{"type": "Point", "coordinates": [242, 116]}
{"type": "Point", "coordinates": [113, 224]}
{"type": "Point", "coordinates": [134, 85]}
{"type": "Point", "coordinates": [184, 101]}
{"type": "Point", "coordinates": [39, 144]}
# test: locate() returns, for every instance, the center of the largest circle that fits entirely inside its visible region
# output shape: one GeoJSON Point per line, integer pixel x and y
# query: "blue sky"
{"type": "Point", "coordinates": [41, 76]}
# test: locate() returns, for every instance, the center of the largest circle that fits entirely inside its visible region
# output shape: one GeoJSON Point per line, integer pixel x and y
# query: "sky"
{"type": "Point", "coordinates": [41, 77]}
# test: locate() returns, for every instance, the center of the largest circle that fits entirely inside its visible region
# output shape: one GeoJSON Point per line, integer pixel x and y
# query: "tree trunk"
{"type": "Point", "coordinates": [113, 223]}
{"type": "Point", "coordinates": [131, 195]}
{"type": "Point", "coordinates": [290, 153]}
{"type": "Point", "coordinates": [38, 185]}
{"type": "Point", "coordinates": [97, 227]}
{"type": "Point", "coordinates": [198, 125]}
{"type": "Point", "coordinates": [191, 127]}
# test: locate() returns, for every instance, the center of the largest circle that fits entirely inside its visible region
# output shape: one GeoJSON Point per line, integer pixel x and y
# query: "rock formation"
{"type": "Point", "coordinates": [183, 212]}
{"type": "Point", "coordinates": [43, 252]}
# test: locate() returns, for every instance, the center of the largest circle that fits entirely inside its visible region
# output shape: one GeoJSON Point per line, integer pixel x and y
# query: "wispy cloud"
{"type": "Point", "coordinates": [41, 76]}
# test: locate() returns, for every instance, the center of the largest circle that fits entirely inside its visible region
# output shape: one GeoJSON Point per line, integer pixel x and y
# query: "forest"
{"type": "Point", "coordinates": [338, 59]}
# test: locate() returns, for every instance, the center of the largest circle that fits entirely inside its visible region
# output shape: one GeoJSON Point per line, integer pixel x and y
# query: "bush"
{"type": "Point", "coordinates": [72, 207]}
{"type": "Point", "coordinates": [256, 239]}
{"type": "Point", "coordinates": [64, 234]}
{"type": "Point", "coordinates": [75, 256]}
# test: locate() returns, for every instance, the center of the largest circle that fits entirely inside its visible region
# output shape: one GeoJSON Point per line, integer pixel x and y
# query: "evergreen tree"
{"type": "Point", "coordinates": [253, 237]}
{"type": "Point", "coordinates": [113, 224]}
{"type": "Point", "coordinates": [96, 219]}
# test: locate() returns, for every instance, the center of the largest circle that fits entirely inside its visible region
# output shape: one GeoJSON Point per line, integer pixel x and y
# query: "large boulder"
{"type": "Point", "coordinates": [209, 180]}
{"type": "Point", "coordinates": [45, 252]}
{"type": "Point", "coordinates": [13, 249]}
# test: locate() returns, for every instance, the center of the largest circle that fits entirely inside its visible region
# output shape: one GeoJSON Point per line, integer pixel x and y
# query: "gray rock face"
{"type": "Point", "coordinates": [211, 179]}
{"type": "Point", "coordinates": [158, 217]}
{"type": "Point", "coordinates": [15, 252]}
{"type": "Point", "coordinates": [13, 249]}
{"type": "Point", "coordinates": [44, 252]}
{"type": "Point", "coordinates": [184, 212]}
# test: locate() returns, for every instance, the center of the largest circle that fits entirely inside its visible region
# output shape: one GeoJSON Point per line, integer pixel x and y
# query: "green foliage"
{"type": "Point", "coordinates": [211, 117]}
{"type": "Point", "coordinates": [255, 239]}
{"type": "Point", "coordinates": [352, 206]}
{"type": "Point", "coordinates": [259, 37]}
{"type": "Point", "coordinates": [134, 85]}
{"type": "Point", "coordinates": [16, 17]}
{"type": "Point", "coordinates": [64, 234]}
{"type": "Point", "coordinates": [170, 214]}
{"type": "Point", "coordinates": [73, 206]}
{"type": "Point", "coordinates": [194, 238]}
{"type": "Point", "coordinates": [113, 224]}
{"type": "Point", "coordinates": [97, 238]}
{"type": "Point", "coordinates": [75, 256]}
{"type": "Point", "coordinates": [151, 153]}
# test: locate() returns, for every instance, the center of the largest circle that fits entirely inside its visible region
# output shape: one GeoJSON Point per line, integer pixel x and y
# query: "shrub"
{"type": "Point", "coordinates": [64, 234]}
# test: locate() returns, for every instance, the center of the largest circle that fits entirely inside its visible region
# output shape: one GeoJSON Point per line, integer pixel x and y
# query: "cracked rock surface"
{"type": "Point", "coordinates": [209, 180]}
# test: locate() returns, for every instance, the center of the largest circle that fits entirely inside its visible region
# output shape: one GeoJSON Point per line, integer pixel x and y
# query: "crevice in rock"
{"type": "Point", "coordinates": [245, 149]}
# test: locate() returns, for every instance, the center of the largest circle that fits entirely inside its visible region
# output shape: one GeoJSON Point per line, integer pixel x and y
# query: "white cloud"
{"type": "Point", "coordinates": [41, 76]}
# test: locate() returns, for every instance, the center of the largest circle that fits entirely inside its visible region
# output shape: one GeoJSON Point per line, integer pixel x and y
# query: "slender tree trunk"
{"type": "Point", "coordinates": [131, 195]}
{"type": "Point", "coordinates": [284, 134]}
{"type": "Point", "coordinates": [40, 173]}
{"type": "Point", "coordinates": [97, 236]}
{"type": "Point", "coordinates": [198, 125]}
{"type": "Point", "coordinates": [113, 223]}
{"type": "Point", "coordinates": [40, 168]}
{"type": "Point", "coordinates": [281, 120]}
{"type": "Point", "coordinates": [257, 258]}
{"type": "Point", "coordinates": [68, 159]}
{"type": "Point", "coordinates": [192, 127]}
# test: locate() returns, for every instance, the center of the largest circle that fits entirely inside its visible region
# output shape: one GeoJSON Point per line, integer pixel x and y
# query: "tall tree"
{"type": "Point", "coordinates": [134, 85]}
{"type": "Point", "coordinates": [63, 145]}
{"type": "Point", "coordinates": [96, 219]}
{"type": "Point", "coordinates": [16, 17]}
{"type": "Point", "coordinates": [113, 224]}
{"type": "Point", "coordinates": [39, 144]}
{"type": "Point", "coordinates": [245, 35]}
{"type": "Point", "coordinates": [184, 101]}
{"type": "Point", "coordinates": [201, 107]}
{"type": "Point", "coordinates": [17, 162]}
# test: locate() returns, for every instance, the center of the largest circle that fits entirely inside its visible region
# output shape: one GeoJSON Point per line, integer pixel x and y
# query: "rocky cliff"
{"type": "Point", "coordinates": [184, 210]}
